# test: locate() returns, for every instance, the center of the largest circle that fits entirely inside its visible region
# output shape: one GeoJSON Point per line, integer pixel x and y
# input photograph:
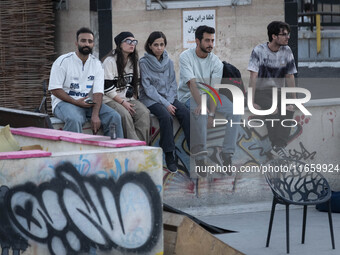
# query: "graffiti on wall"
{"type": "Point", "coordinates": [73, 213]}
{"type": "Point", "coordinates": [252, 148]}
{"type": "Point", "coordinates": [249, 142]}
{"type": "Point", "coordinates": [327, 121]}
{"type": "Point", "coordinates": [302, 153]}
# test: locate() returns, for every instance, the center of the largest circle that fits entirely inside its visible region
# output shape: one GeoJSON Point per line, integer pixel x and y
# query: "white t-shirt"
{"type": "Point", "coordinates": [271, 66]}
{"type": "Point", "coordinates": [69, 73]}
{"type": "Point", "coordinates": [207, 70]}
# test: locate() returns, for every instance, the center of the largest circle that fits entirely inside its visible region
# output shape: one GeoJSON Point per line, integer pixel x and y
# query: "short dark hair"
{"type": "Point", "coordinates": [84, 30]}
{"type": "Point", "coordinates": [274, 28]}
{"type": "Point", "coordinates": [152, 37]}
{"type": "Point", "coordinates": [203, 29]}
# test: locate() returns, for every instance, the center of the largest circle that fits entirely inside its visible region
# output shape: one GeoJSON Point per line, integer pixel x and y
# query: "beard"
{"type": "Point", "coordinates": [206, 50]}
{"type": "Point", "coordinates": [85, 50]}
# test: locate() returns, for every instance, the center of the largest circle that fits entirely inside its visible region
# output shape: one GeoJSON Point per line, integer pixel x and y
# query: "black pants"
{"type": "Point", "coordinates": [166, 124]}
{"type": "Point", "coordinates": [278, 134]}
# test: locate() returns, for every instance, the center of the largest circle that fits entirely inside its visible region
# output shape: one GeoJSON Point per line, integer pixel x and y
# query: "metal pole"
{"type": "Point", "coordinates": [291, 17]}
{"type": "Point", "coordinates": [104, 26]}
{"type": "Point", "coordinates": [318, 34]}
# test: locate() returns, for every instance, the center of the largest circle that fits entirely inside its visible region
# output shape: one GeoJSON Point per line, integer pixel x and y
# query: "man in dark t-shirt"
{"type": "Point", "coordinates": [271, 65]}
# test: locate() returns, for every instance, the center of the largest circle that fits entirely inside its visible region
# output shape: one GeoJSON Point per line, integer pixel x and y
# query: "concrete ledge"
{"type": "Point", "coordinates": [307, 63]}
{"type": "Point", "coordinates": [102, 197]}
{"type": "Point", "coordinates": [323, 102]}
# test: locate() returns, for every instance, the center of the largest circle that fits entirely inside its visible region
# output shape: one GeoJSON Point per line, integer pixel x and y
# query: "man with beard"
{"type": "Point", "coordinates": [199, 66]}
{"type": "Point", "coordinates": [272, 65]}
{"type": "Point", "coordinates": [77, 87]}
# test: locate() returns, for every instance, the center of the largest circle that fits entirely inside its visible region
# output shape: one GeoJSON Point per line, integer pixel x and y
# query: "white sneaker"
{"type": "Point", "coordinates": [280, 152]}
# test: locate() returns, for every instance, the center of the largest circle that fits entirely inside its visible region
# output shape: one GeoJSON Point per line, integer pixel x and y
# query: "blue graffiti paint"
{"type": "Point", "coordinates": [160, 188]}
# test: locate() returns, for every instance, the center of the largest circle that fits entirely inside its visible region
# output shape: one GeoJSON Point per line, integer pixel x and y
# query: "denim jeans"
{"type": "Point", "coordinates": [166, 125]}
{"type": "Point", "coordinates": [75, 117]}
{"type": "Point", "coordinates": [199, 125]}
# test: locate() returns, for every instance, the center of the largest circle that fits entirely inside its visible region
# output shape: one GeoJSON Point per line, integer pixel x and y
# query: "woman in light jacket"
{"type": "Point", "coordinates": [158, 92]}
{"type": "Point", "coordinates": [121, 87]}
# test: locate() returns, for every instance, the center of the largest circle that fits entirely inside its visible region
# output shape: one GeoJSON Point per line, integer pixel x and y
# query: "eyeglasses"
{"type": "Point", "coordinates": [285, 34]}
{"type": "Point", "coordinates": [130, 42]}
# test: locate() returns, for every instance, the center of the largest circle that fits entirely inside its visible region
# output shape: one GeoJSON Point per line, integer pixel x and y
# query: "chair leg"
{"type": "Point", "coordinates": [304, 223]}
{"type": "Point", "coordinates": [331, 223]}
{"type": "Point", "coordinates": [287, 227]}
{"type": "Point", "coordinates": [271, 221]}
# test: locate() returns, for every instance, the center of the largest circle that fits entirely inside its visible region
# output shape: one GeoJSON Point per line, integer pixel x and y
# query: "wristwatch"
{"type": "Point", "coordinates": [211, 114]}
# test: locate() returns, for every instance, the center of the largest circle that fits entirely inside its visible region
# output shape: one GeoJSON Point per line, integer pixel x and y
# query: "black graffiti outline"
{"type": "Point", "coordinates": [9, 238]}
{"type": "Point", "coordinates": [250, 132]}
{"type": "Point", "coordinates": [304, 154]}
{"type": "Point", "coordinates": [60, 183]}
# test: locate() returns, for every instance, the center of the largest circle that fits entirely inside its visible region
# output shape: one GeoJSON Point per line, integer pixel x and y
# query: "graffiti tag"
{"type": "Point", "coordinates": [73, 213]}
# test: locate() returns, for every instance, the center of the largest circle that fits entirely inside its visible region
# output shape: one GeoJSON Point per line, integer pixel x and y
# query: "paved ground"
{"type": "Point", "coordinates": [252, 228]}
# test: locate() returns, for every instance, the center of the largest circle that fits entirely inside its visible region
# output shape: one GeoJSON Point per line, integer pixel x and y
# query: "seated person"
{"type": "Point", "coordinates": [73, 76]}
{"type": "Point", "coordinates": [200, 66]}
{"type": "Point", "coordinates": [159, 93]}
{"type": "Point", "coordinates": [272, 65]}
{"type": "Point", "coordinates": [121, 87]}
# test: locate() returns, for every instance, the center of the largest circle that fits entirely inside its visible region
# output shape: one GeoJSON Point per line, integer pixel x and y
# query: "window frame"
{"type": "Point", "coordinates": [182, 4]}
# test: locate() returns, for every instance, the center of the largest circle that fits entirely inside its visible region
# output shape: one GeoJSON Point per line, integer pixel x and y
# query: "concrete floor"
{"type": "Point", "coordinates": [252, 228]}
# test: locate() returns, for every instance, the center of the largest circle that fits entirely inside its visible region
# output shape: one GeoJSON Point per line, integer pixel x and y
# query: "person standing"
{"type": "Point", "coordinates": [121, 87]}
{"type": "Point", "coordinates": [76, 78]}
{"type": "Point", "coordinates": [159, 93]}
{"type": "Point", "coordinates": [272, 65]}
{"type": "Point", "coordinates": [200, 66]}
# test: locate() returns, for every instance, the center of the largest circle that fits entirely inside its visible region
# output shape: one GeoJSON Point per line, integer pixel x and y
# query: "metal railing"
{"type": "Point", "coordinates": [329, 11]}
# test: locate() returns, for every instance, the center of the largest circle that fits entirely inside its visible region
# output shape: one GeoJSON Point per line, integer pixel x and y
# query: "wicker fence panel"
{"type": "Point", "coordinates": [26, 52]}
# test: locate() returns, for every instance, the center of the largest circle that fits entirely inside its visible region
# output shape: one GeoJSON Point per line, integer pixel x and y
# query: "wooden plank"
{"type": "Point", "coordinates": [195, 240]}
{"type": "Point", "coordinates": [104, 141]}
{"type": "Point", "coordinates": [20, 118]}
{"type": "Point", "coordinates": [97, 140]}
{"type": "Point", "coordinates": [31, 147]}
{"type": "Point", "coordinates": [49, 134]}
{"type": "Point", "coordinates": [169, 242]}
{"type": "Point", "coordinates": [190, 238]}
{"type": "Point", "coordinates": [24, 154]}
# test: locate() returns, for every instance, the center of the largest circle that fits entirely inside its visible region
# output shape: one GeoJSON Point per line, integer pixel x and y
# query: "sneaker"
{"type": "Point", "coordinates": [280, 152]}
{"type": "Point", "coordinates": [226, 161]}
{"type": "Point", "coordinates": [226, 158]}
{"type": "Point", "coordinates": [199, 153]}
{"type": "Point", "coordinates": [201, 163]}
{"type": "Point", "coordinates": [170, 162]}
